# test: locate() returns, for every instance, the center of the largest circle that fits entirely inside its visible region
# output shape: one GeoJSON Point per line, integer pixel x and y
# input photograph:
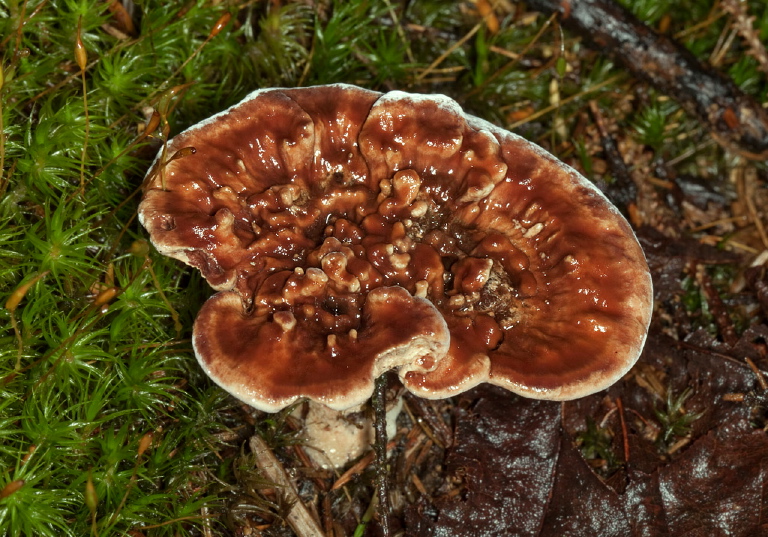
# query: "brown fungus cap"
{"type": "Point", "coordinates": [351, 232]}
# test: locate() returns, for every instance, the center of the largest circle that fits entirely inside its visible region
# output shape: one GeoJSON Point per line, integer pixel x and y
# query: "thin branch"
{"type": "Point", "coordinates": [379, 401]}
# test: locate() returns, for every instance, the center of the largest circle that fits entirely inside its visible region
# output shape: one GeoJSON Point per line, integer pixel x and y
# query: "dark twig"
{"type": "Point", "coordinates": [735, 120]}
{"type": "Point", "coordinates": [379, 401]}
{"type": "Point", "coordinates": [623, 191]}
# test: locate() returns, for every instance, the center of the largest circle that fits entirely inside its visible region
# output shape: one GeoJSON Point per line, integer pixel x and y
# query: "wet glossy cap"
{"type": "Point", "coordinates": [351, 232]}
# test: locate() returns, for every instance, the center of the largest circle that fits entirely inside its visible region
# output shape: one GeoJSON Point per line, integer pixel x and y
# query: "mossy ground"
{"type": "Point", "coordinates": [107, 425]}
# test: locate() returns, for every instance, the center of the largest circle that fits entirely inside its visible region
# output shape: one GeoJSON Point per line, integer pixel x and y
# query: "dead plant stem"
{"type": "Point", "coordinates": [379, 401]}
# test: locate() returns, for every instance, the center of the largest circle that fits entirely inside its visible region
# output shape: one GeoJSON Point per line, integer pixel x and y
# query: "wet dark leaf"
{"type": "Point", "coordinates": [516, 468]}
{"type": "Point", "coordinates": [581, 503]}
{"type": "Point", "coordinates": [718, 486]}
{"type": "Point", "coordinates": [504, 467]}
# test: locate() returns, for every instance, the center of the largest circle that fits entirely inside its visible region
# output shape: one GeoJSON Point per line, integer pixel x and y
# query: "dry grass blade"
{"type": "Point", "coordinates": [299, 517]}
{"type": "Point", "coordinates": [448, 52]}
{"type": "Point", "coordinates": [354, 470]}
{"type": "Point", "coordinates": [743, 24]}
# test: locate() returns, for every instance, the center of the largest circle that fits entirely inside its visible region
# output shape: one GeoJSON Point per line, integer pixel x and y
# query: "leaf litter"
{"type": "Point", "coordinates": [677, 447]}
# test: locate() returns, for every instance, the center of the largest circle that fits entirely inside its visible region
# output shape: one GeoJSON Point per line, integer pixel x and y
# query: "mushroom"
{"type": "Point", "coordinates": [350, 233]}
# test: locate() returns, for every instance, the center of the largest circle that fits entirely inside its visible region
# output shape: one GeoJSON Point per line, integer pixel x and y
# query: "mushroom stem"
{"type": "Point", "coordinates": [337, 437]}
{"type": "Point", "coordinates": [379, 402]}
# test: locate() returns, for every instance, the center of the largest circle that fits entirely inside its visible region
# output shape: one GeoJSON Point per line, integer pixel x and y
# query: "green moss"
{"type": "Point", "coordinates": [675, 420]}
{"type": "Point", "coordinates": [596, 446]}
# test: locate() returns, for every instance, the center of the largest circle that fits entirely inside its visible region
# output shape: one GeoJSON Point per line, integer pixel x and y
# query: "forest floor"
{"type": "Point", "coordinates": [109, 427]}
